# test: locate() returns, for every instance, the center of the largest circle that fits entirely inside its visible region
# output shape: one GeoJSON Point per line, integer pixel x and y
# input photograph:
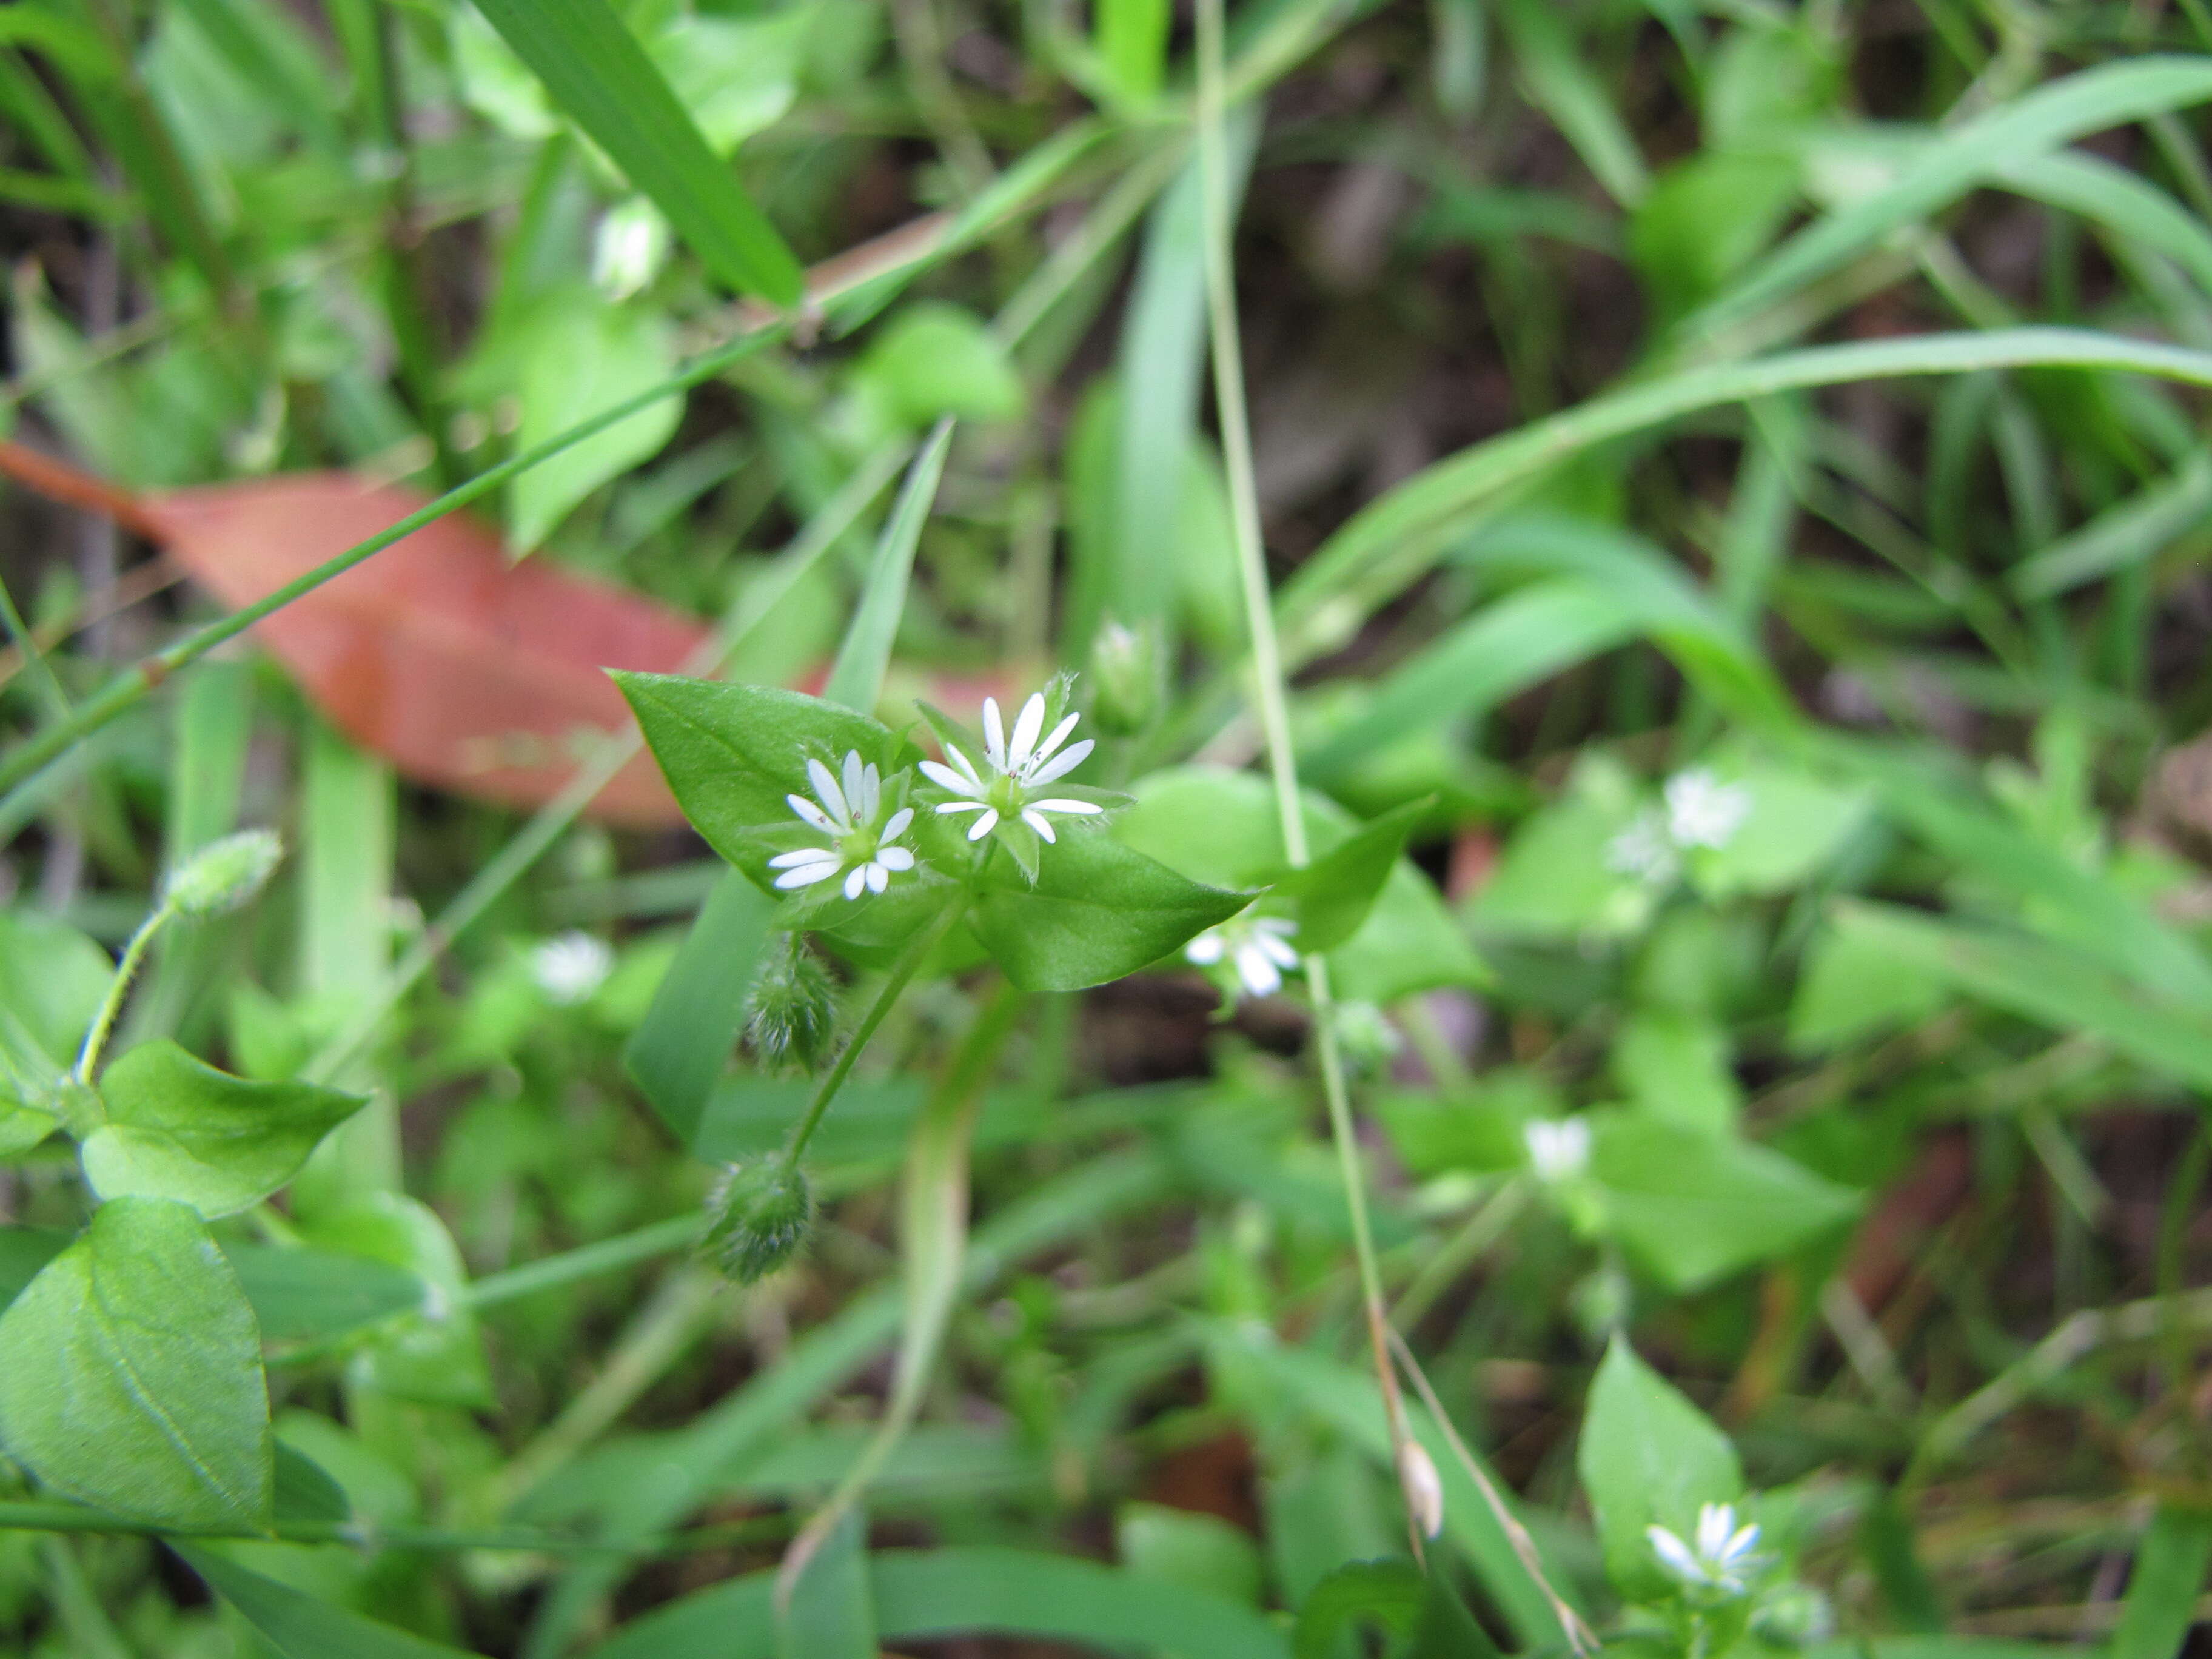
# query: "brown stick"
{"type": "Point", "coordinates": [59, 480]}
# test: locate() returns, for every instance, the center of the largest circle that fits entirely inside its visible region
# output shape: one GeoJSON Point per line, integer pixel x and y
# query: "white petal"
{"type": "Point", "coordinates": [1038, 822]}
{"type": "Point", "coordinates": [813, 814]}
{"type": "Point", "coordinates": [945, 778]}
{"type": "Point", "coordinates": [894, 858]}
{"type": "Point", "coordinates": [856, 881]}
{"type": "Point", "coordinates": [1274, 948]}
{"type": "Point", "coordinates": [1714, 1523]}
{"type": "Point", "coordinates": [872, 785]}
{"type": "Point", "coordinates": [827, 792]}
{"type": "Point", "coordinates": [1078, 807]}
{"type": "Point", "coordinates": [1207, 949]}
{"type": "Point", "coordinates": [1674, 1555]}
{"type": "Point", "coordinates": [961, 807]}
{"type": "Point", "coordinates": [994, 734]}
{"type": "Point", "coordinates": [878, 877]}
{"type": "Point", "coordinates": [896, 825]}
{"type": "Point", "coordinates": [855, 787]}
{"type": "Point", "coordinates": [1741, 1545]}
{"type": "Point", "coordinates": [807, 874]}
{"type": "Point", "coordinates": [1026, 727]}
{"type": "Point", "coordinates": [1260, 976]}
{"type": "Point", "coordinates": [985, 824]}
{"type": "Point", "coordinates": [804, 855]}
{"type": "Point", "coordinates": [1058, 737]}
{"type": "Point", "coordinates": [960, 759]}
{"type": "Point", "coordinates": [1061, 765]}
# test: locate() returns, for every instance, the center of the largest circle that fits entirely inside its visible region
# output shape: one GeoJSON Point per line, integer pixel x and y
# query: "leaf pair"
{"type": "Point", "coordinates": [1097, 909]}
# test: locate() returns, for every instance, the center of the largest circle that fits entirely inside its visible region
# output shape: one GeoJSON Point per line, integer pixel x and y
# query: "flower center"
{"type": "Point", "coordinates": [858, 847]}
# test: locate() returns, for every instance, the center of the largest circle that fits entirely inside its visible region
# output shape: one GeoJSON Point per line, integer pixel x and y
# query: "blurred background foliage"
{"type": "Point", "coordinates": [1815, 808]}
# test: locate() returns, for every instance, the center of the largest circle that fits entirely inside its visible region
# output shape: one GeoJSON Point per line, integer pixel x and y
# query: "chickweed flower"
{"type": "Point", "coordinates": [1702, 811]}
{"type": "Point", "coordinates": [570, 968]}
{"type": "Point", "coordinates": [1722, 1557]}
{"type": "Point", "coordinates": [860, 849]}
{"type": "Point", "coordinates": [1019, 768]}
{"type": "Point", "coordinates": [1259, 949]}
{"type": "Point", "coordinates": [1558, 1150]}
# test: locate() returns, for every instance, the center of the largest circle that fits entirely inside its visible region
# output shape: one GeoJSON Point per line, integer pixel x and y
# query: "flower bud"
{"type": "Point", "coordinates": [791, 1014]}
{"type": "Point", "coordinates": [1423, 1488]}
{"type": "Point", "coordinates": [631, 247]}
{"type": "Point", "coordinates": [1125, 675]}
{"type": "Point", "coordinates": [759, 1218]}
{"type": "Point", "coordinates": [224, 874]}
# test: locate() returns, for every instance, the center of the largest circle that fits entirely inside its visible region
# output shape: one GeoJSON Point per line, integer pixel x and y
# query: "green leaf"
{"type": "Point", "coordinates": [1333, 897]}
{"type": "Point", "coordinates": [856, 679]}
{"type": "Point", "coordinates": [1693, 1207]}
{"type": "Point", "coordinates": [1795, 823]}
{"type": "Point", "coordinates": [736, 76]}
{"type": "Point", "coordinates": [304, 1491]}
{"type": "Point", "coordinates": [1180, 1547]}
{"type": "Point", "coordinates": [1706, 219]}
{"type": "Point", "coordinates": [434, 1355]}
{"type": "Point", "coordinates": [920, 1595]}
{"type": "Point", "coordinates": [603, 79]}
{"type": "Point", "coordinates": [1648, 1457]}
{"type": "Point", "coordinates": [2047, 984]}
{"type": "Point", "coordinates": [680, 1047]}
{"type": "Point", "coordinates": [935, 362]}
{"type": "Point", "coordinates": [1676, 1067]}
{"type": "Point", "coordinates": [2050, 116]}
{"type": "Point", "coordinates": [1558, 878]}
{"type": "Point", "coordinates": [1360, 1594]}
{"type": "Point", "coordinates": [315, 1296]}
{"type": "Point", "coordinates": [828, 1615]}
{"type": "Point", "coordinates": [731, 753]}
{"type": "Point", "coordinates": [1217, 826]}
{"type": "Point", "coordinates": [2163, 1587]}
{"type": "Point", "coordinates": [576, 356]}
{"type": "Point", "coordinates": [1852, 985]}
{"type": "Point", "coordinates": [53, 981]}
{"type": "Point", "coordinates": [296, 1624]}
{"type": "Point", "coordinates": [179, 1129]}
{"type": "Point", "coordinates": [1099, 910]}
{"type": "Point", "coordinates": [130, 1374]}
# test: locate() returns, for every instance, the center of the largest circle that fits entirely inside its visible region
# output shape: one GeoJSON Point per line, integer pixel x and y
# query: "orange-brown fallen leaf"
{"type": "Point", "coordinates": [465, 672]}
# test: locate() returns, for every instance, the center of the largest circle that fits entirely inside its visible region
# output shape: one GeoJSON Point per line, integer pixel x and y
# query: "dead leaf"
{"type": "Point", "coordinates": [466, 672]}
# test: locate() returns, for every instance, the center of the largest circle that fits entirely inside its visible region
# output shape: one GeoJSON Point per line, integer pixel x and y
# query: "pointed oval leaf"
{"type": "Point", "coordinates": [130, 1374]}
{"type": "Point", "coordinates": [1099, 910]}
{"type": "Point", "coordinates": [177, 1127]}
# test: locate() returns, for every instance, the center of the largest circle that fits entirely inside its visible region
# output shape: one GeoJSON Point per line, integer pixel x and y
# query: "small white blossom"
{"type": "Point", "coordinates": [1722, 1557]}
{"type": "Point", "coordinates": [631, 248]}
{"type": "Point", "coordinates": [1260, 950]}
{"type": "Point", "coordinates": [1026, 763]}
{"type": "Point", "coordinates": [1645, 850]}
{"type": "Point", "coordinates": [859, 848]}
{"type": "Point", "coordinates": [570, 967]}
{"type": "Point", "coordinates": [1558, 1150]}
{"type": "Point", "coordinates": [1702, 811]}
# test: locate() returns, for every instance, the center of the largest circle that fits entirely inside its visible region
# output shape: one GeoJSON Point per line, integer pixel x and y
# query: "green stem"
{"type": "Point", "coordinates": [131, 687]}
{"type": "Point", "coordinates": [1268, 688]}
{"type": "Point", "coordinates": [134, 956]}
{"type": "Point", "coordinates": [909, 962]}
{"type": "Point", "coordinates": [606, 1256]}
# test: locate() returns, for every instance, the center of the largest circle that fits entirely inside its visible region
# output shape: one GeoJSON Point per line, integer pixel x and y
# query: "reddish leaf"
{"type": "Point", "coordinates": [464, 671]}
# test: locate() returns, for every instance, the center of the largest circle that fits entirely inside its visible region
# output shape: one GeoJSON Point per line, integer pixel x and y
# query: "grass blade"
{"type": "Point", "coordinates": [602, 79]}
{"type": "Point", "coordinates": [856, 679]}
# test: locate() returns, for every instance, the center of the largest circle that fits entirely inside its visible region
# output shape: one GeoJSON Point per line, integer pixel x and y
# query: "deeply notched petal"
{"type": "Point", "coordinates": [1027, 728]}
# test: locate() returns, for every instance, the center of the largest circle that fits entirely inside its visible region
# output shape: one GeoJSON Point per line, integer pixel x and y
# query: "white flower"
{"type": "Point", "coordinates": [1017, 769]}
{"type": "Point", "coordinates": [1260, 950]}
{"type": "Point", "coordinates": [570, 967]}
{"type": "Point", "coordinates": [1702, 811]}
{"type": "Point", "coordinates": [1722, 1557]}
{"type": "Point", "coordinates": [1558, 1150]}
{"type": "Point", "coordinates": [1646, 850]}
{"type": "Point", "coordinates": [631, 248]}
{"type": "Point", "coordinates": [859, 850]}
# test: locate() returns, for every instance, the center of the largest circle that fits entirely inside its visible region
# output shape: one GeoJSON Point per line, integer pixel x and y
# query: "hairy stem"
{"type": "Point", "coordinates": [118, 989]}
{"type": "Point", "coordinates": [895, 983]}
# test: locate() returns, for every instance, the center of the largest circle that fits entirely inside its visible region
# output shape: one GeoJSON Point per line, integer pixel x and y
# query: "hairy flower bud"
{"type": "Point", "coordinates": [1124, 677]}
{"type": "Point", "coordinates": [758, 1219]}
{"type": "Point", "coordinates": [224, 874]}
{"type": "Point", "coordinates": [791, 1014]}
